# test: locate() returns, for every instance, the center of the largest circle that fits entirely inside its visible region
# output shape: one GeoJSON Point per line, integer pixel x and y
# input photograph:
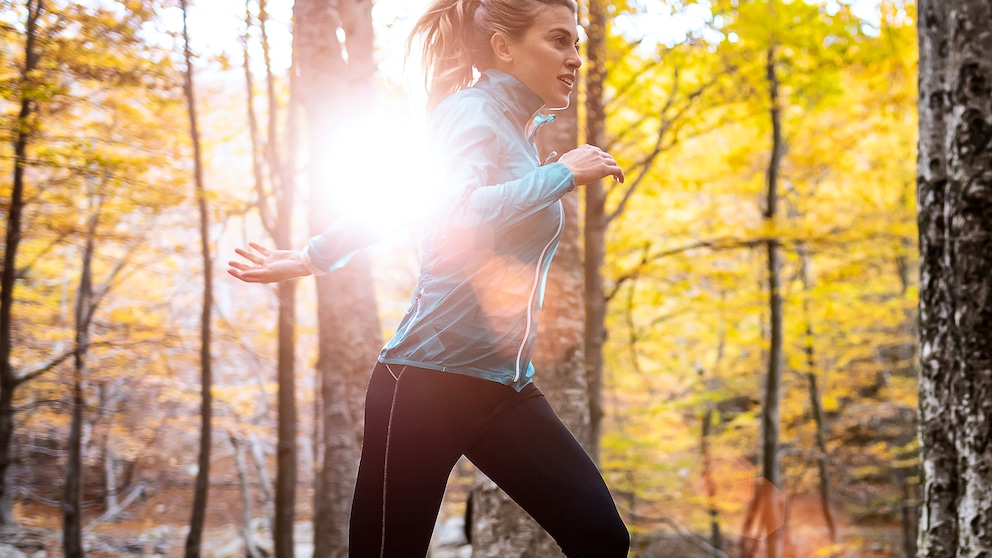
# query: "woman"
{"type": "Point", "coordinates": [456, 378]}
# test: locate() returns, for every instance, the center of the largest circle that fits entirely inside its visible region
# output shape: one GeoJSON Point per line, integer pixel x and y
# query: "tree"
{"type": "Point", "coordinates": [9, 379]}
{"type": "Point", "coordinates": [202, 485]}
{"type": "Point", "coordinates": [336, 82]}
{"type": "Point", "coordinates": [72, 505]}
{"type": "Point", "coordinates": [73, 155]}
{"type": "Point", "coordinates": [955, 224]}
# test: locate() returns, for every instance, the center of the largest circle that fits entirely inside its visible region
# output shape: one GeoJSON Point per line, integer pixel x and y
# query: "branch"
{"type": "Point", "coordinates": [138, 491]}
{"type": "Point", "coordinates": [664, 127]}
{"type": "Point", "coordinates": [37, 371]}
{"type": "Point", "coordinates": [631, 275]}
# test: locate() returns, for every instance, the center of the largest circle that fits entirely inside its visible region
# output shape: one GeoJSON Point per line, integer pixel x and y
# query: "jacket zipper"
{"type": "Point", "coordinates": [533, 290]}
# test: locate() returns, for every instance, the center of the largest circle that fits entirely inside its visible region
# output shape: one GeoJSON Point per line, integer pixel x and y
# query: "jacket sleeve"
{"type": "Point", "coordinates": [467, 145]}
{"type": "Point", "coordinates": [465, 155]}
{"type": "Point", "coordinates": [334, 248]}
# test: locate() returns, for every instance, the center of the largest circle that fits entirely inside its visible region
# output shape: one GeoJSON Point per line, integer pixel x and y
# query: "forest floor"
{"type": "Point", "coordinates": [158, 524]}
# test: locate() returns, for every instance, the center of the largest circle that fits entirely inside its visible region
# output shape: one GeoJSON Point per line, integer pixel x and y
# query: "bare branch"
{"type": "Point", "coordinates": [32, 373]}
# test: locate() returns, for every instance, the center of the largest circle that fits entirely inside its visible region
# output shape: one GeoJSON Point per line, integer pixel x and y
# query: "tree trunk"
{"type": "Point", "coordinates": [499, 527]}
{"type": "Point", "coordinates": [770, 419]}
{"type": "Point", "coordinates": [194, 539]}
{"type": "Point", "coordinates": [112, 502]}
{"type": "Point", "coordinates": [286, 452]}
{"type": "Point", "coordinates": [816, 407]}
{"type": "Point", "coordinates": [955, 223]}
{"type": "Point", "coordinates": [283, 178]}
{"type": "Point", "coordinates": [72, 503]}
{"type": "Point", "coordinates": [595, 225]}
{"type": "Point", "coordinates": [264, 204]}
{"type": "Point", "coordinates": [334, 89]}
{"type": "Point", "coordinates": [244, 485]}
{"type": "Point", "coordinates": [716, 537]}
{"type": "Point", "coordinates": [8, 279]}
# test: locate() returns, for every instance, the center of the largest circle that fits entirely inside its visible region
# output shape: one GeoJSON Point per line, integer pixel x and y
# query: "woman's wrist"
{"type": "Point", "coordinates": [308, 263]}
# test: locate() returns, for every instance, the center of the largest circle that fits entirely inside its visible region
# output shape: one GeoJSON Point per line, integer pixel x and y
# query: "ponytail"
{"type": "Point", "coordinates": [446, 30]}
{"type": "Point", "coordinates": [455, 36]}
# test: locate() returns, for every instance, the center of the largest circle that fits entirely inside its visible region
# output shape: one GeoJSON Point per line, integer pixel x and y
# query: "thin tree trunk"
{"type": "Point", "coordinates": [112, 501]}
{"type": "Point", "coordinates": [201, 489]}
{"type": "Point", "coordinates": [595, 225]}
{"type": "Point", "coordinates": [241, 466]}
{"type": "Point", "coordinates": [264, 211]}
{"type": "Point", "coordinates": [814, 398]}
{"type": "Point", "coordinates": [282, 176]}
{"type": "Point", "coordinates": [286, 454]}
{"type": "Point", "coordinates": [770, 420]}
{"type": "Point", "coordinates": [8, 279]}
{"type": "Point", "coordinates": [72, 504]}
{"type": "Point", "coordinates": [264, 478]}
{"type": "Point", "coordinates": [716, 537]}
{"type": "Point", "coordinates": [955, 225]}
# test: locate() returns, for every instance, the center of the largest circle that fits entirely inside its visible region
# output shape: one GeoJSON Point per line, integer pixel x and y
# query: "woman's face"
{"type": "Point", "coordinates": [545, 58]}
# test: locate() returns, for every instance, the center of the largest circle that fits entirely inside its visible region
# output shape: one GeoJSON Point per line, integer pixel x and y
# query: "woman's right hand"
{"type": "Point", "coordinates": [267, 265]}
{"type": "Point", "coordinates": [590, 163]}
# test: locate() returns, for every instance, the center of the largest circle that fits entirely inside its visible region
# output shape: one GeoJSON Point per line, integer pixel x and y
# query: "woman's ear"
{"type": "Point", "coordinates": [502, 51]}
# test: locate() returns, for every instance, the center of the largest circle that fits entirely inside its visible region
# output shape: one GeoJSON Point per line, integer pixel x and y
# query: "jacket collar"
{"type": "Point", "coordinates": [515, 97]}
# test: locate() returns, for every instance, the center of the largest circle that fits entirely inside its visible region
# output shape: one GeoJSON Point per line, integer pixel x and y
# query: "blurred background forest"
{"type": "Point", "coordinates": [753, 315]}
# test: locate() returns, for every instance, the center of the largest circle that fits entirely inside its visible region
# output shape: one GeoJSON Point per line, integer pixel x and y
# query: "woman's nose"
{"type": "Point", "coordinates": [574, 61]}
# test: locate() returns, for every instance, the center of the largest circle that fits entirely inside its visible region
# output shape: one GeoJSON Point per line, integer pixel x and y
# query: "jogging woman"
{"type": "Point", "coordinates": [456, 378]}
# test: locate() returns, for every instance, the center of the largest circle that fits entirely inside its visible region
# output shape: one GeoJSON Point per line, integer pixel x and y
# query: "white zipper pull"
{"type": "Point", "coordinates": [550, 156]}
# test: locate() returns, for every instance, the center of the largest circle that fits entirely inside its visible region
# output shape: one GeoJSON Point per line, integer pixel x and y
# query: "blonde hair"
{"type": "Point", "coordinates": [456, 35]}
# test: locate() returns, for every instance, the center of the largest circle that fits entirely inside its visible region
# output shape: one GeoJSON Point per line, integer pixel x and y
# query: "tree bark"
{"type": "Point", "coordinates": [955, 224]}
{"type": "Point", "coordinates": [335, 89]}
{"type": "Point", "coordinates": [596, 222]}
{"type": "Point", "coordinates": [716, 537]}
{"type": "Point", "coordinates": [72, 503]}
{"type": "Point", "coordinates": [264, 203]}
{"type": "Point", "coordinates": [819, 420]}
{"type": "Point", "coordinates": [247, 515]}
{"type": "Point", "coordinates": [770, 419]}
{"type": "Point", "coordinates": [202, 484]}
{"type": "Point", "coordinates": [282, 178]}
{"type": "Point", "coordinates": [8, 278]}
{"type": "Point", "coordinates": [499, 527]}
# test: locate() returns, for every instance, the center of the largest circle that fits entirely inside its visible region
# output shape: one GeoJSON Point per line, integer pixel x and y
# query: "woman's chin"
{"type": "Point", "coordinates": [557, 104]}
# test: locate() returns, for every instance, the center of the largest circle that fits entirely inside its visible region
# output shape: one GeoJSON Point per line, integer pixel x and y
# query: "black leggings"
{"type": "Point", "coordinates": [418, 423]}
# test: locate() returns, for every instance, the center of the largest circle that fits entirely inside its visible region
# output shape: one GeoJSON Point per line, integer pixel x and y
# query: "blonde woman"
{"type": "Point", "coordinates": [456, 379]}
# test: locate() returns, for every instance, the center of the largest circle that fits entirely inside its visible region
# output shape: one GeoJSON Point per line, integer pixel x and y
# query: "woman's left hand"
{"type": "Point", "coordinates": [267, 265]}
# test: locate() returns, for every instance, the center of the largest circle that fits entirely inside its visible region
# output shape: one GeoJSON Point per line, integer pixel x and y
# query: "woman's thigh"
{"type": "Point", "coordinates": [418, 423]}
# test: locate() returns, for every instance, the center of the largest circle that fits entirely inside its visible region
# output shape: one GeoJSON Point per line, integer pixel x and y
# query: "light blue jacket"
{"type": "Point", "coordinates": [485, 260]}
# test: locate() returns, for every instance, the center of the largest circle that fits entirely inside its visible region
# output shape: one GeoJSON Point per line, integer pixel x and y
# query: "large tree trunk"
{"type": "Point", "coordinates": [596, 223]}
{"type": "Point", "coordinates": [201, 488]}
{"type": "Point", "coordinates": [334, 90]}
{"type": "Point", "coordinates": [955, 222]}
{"type": "Point", "coordinates": [499, 527]}
{"type": "Point", "coordinates": [8, 279]}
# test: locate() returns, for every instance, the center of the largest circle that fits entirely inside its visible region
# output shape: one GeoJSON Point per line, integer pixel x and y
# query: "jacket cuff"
{"type": "Point", "coordinates": [308, 263]}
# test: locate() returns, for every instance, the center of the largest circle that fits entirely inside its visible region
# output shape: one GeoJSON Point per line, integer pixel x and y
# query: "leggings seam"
{"type": "Point", "coordinates": [385, 459]}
